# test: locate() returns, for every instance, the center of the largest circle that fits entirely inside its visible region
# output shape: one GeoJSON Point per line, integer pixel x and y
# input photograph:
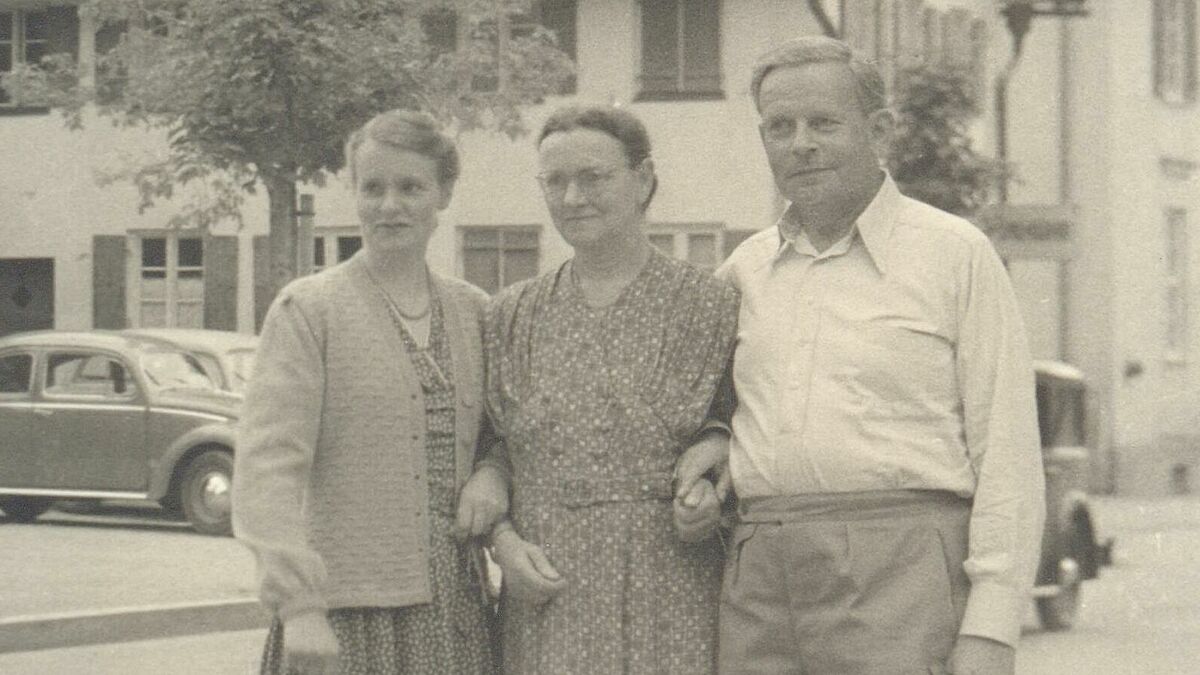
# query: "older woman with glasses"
{"type": "Point", "coordinates": [602, 378]}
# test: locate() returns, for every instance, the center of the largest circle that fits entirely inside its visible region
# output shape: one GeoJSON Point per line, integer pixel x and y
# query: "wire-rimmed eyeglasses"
{"type": "Point", "coordinates": [589, 181]}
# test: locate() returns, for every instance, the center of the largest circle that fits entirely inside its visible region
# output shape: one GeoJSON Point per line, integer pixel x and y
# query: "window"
{"type": "Point", "coordinates": [85, 374]}
{"type": "Point", "coordinates": [441, 27]}
{"type": "Point", "coordinates": [334, 245]}
{"type": "Point", "coordinates": [494, 257]}
{"type": "Point", "coordinates": [170, 282]}
{"type": "Point", "coordinates": [1175, 50]}
{"type": "Point", "coordinates": [704, 245]}
{"type": "Point", "coordinates": [680, 49]}
{"type": "Point", "coordinates": [27, 36]}
{"type": "Point", "coordinates": [15, 370]}
{"type": "Point", "coordinates": [1176, 283]}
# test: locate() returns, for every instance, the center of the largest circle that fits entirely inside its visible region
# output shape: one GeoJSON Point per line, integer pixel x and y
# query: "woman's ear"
{"type": "Point", "coordinates": [647, 181]}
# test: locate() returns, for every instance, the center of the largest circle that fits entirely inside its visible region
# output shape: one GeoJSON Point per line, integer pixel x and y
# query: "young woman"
{"type": "Point", "coordinates": [358, 430]}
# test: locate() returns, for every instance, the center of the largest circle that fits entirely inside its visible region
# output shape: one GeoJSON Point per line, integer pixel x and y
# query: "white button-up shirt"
{"type": "Point", "coordinates": [894, 359]}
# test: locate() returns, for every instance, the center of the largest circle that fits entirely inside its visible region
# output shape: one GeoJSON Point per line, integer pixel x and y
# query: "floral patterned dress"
{"type": "Point", "coordinates": [451, 634]}
{"type": "Point", "coordinates": [595, 406]}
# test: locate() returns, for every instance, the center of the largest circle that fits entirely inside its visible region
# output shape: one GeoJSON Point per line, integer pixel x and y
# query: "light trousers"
{"type": "Point", "coordinates": [863, 583]}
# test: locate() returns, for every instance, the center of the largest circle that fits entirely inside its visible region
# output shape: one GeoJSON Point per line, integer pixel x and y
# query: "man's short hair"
{"type": "Point", "coordinates": [809, 49]}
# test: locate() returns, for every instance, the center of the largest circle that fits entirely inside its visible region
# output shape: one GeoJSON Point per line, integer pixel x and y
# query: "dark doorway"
{"type": "Point", "coordinates": [26, 294]}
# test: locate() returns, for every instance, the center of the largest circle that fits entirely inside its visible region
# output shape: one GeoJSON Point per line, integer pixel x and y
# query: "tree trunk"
{"type": "Point", "coordinates": [281, 247]}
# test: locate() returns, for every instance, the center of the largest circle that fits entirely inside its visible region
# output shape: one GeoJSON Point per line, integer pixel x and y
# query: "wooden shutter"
{"type": "Point", "coordinates": [108, 282]}
{"type": "Point", "coordinates": [559, 16]}
{"type": "Point", "coordinates": [660, 45]}
{"type": "Point", "coordinates": [1189, 50]}
{"type": "Point", "coordinates": [1159, 52]}
{"type": "Point", "coordinates": [701, 34]}
{"type": "Point", "coordinates": [63, 30]}
{"type": "Point", "coordinates": [262, 280]}
{"type": "Point", "coordinates": [220, 282]}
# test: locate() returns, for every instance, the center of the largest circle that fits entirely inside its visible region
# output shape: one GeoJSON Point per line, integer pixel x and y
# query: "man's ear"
{"type": "Point", "coordinates": [882, 127]}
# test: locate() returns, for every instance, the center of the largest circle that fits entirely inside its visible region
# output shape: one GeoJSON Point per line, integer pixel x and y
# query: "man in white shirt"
{"type": "Point", "coordinates": [885, 448]}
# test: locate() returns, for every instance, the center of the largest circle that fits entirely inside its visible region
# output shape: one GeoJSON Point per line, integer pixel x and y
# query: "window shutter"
{"type": "Point", "coordinates": [1189, 53]}
{"type": "Point", "coordinates": [63, 30]}
{"type": "Point", "coordinates": [220, 283]}
{"type": "Point", "coordinates": [660, 45]}
{"type": "Point", "coordinates": [108, 282]}
{"type": "Point", "coordinates": [1159, 12]}
{"type": "Point", "coordinates": [559, 16]}
{"type": "Point", "coordinates": [702, 46]}
{"type": "Point", "coordinates": [262, 280]}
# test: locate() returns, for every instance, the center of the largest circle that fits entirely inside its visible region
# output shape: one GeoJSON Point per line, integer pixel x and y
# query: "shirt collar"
{"type": "Point", "coordinates": [874, 226]}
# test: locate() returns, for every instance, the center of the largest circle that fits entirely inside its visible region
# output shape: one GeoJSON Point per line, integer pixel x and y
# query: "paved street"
{"type": "Point", "coordinates": [1141, 617]}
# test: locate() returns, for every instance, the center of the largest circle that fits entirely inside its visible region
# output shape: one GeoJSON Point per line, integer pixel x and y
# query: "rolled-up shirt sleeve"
{"type": "Point", "coordinates": [995, 378]}
{"type": "Point", "coordinates": [276, 444]}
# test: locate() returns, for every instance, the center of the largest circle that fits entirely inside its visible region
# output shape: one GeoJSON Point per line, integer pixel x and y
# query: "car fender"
{"type": "Point", "coordinates": [216, 433]}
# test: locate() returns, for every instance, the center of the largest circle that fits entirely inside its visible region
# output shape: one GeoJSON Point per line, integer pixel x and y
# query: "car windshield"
{"type": "Point", "coordinates": [241, 364]}
{"type": "Point", "coordinates": [175, 370]}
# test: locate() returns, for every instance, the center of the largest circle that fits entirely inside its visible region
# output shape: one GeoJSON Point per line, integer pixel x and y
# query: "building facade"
{"type": "Point", "coordinates": [1102, 129]}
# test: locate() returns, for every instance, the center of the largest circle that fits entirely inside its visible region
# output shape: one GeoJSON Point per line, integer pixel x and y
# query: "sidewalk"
{"type": "Point", "coordinates": [235, 653]}
{"type": "Point", "coordinates": [116, 574]}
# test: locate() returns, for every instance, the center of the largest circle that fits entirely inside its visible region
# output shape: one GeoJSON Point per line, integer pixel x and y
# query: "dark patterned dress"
{"type": "Point", "coordinates": [449, 635]}
{"type": "Point", "coordinates": [595, 406]}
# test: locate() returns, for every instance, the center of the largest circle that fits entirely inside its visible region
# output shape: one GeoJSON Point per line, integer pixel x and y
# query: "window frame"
{"type": "Point", "coordinates": [682, 89]}
{"type": "Point", "coordinates": [680, 233]}
{"type": "Point", "coordinates": [449, 38]}
{"type": "Point", "coordinates": [17, 46]}
{"type": "Point", "coordinates": [462, 232]}
{"type": "Point", "coordinates": [171, 276]}
{"type": "Point", "coordinates": [31, 380]}
{"type": "Point", "coordinates": [133, 386]}
{"type": "Point", "coordinates": [328, 240]}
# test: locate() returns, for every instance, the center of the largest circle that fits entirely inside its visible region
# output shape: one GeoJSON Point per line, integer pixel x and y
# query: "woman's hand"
{"type": "Point", "coordinates": [309, 645]}
{"type": "Point", "coordinates": [710, 453]}
{"type": "Point", "coordinates": [697, 513]}
{"type": "Point", "coordinates": [527, 572]}
{"type": "Point", "coordinates": [483, 502]}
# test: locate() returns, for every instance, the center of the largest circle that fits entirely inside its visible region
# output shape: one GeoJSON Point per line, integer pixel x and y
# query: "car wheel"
{"type": "Point", "coordinates": [24, 509]}
{"type": "Point", "coordinates": [205, 492]}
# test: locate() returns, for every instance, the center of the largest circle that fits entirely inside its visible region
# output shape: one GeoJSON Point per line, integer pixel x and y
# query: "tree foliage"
{"type": "Point", "coordinates": [932, 159]}
{"type": "Point", "coordinates": [263, 92]}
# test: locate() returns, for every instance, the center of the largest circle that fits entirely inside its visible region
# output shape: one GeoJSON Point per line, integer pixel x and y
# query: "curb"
{"type": "Point", "coordinates": [128, 624]}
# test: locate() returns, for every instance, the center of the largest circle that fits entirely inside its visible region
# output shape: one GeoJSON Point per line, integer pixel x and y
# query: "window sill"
{"type": "Point", "coordinates": [20, 110]}
{"type": "Point", "coordinates": [679, 96]}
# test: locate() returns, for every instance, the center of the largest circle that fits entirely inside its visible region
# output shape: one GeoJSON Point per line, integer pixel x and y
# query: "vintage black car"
{"type": "Point", "coordinates": [94, 415]}
{"type": "Point", "coordinates": [1071, 553]}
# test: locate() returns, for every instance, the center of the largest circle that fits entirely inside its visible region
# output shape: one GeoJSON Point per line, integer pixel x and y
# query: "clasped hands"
{"type": "Point", "coordinates": [529, 576]}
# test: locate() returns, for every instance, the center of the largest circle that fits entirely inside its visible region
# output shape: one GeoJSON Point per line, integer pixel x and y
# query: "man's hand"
{"type": "Point", "coordinates": [975, 655]}
{"type": "Point", "coordinates": [697, 513]}
{"type": "Point", "coordinates": [527, 572]}
{"type": "Point", "coordinates": [309, 645]}
{"type": "Point", "coordinates": [483, 502]}
{"type": "Point", "coordinates": [710, 452]}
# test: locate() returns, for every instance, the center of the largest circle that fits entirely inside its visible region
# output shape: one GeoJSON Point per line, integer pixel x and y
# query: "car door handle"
{"type": "Point", "coordinates": [44, 412]}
